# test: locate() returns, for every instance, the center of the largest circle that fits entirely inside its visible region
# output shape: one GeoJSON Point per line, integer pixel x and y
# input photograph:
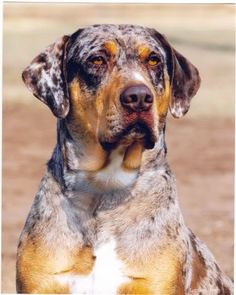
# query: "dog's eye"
{"type": "Point", "coordinates": [153, 60]}
{"type": "Point", "coordinates": [97, 60]}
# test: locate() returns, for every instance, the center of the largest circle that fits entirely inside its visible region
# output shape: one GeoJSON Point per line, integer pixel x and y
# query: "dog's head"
{"type": "Point", "coordinates": [115, 83]}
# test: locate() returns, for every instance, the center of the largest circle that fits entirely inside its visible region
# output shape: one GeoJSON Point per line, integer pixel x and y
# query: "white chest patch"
{"type": "Point", "coordinates": [106, 277]}
{"type": "Point", "coordinates": [114, 175]}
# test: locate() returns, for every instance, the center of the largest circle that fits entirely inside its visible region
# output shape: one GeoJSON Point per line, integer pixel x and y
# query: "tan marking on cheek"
{"type": "Point", "coordinates": [115, 85]}
{"type": "Point", "coordinates": [143, 52]}
{"type": "Point", "coordinates": [99, 104]}
{"type": "Point", "coordinates": [77, 109]}
{"type": "Point", "coordinates": [82, 112]}
{"type": "Point", "coordinates": [38, 267]}
{"type": "Point", "coordinates": [111, 46]}
{"type": "Point", "coordinates": [75, 94]}
{"type": "Point", "coordinates": [133, 156]}
{"type": "Point", "coordinates": [84, 119]}
{"type": "Point", "coordinates": [108, 100]}
{"type": "Point", "coordinates": [163, 100]}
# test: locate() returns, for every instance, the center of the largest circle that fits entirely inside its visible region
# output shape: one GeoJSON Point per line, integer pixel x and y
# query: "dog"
{"type": "Point", "coordinates": [106, 218]}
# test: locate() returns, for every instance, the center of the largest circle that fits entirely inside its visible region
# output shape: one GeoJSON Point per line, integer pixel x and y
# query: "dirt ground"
{"type": "Point", "coordinates": [200, 146]}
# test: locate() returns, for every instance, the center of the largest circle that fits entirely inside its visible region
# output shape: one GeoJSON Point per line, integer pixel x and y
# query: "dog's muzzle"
{"type": "Point", "coordinates": [137, 120]}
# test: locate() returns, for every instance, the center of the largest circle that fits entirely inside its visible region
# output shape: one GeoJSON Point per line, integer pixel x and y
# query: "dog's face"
{"type": "Point", "coordinates": [118, 84]}
{"type": "Point", "coordinates": [115, 83]}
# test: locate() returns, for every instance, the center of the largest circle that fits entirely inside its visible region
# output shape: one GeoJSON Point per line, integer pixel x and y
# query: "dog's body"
{"type": "Point", "coordinates": [106, 218]}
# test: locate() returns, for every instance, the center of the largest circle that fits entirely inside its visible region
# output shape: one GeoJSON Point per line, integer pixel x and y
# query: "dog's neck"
{"type": "Point", "coordinates": [111, 175]}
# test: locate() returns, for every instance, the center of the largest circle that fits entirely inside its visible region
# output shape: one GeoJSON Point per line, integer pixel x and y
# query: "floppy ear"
{"type": "Point", "coordinates": [184, 79]}
{"type": "Point", "coordinates": [45, 77]}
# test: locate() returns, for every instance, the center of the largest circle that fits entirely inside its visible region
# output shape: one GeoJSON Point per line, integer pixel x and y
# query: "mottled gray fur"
{"type": "Point", "coordinates": [70, 211]}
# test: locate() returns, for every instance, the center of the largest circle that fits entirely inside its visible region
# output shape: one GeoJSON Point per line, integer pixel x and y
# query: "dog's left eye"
{"type": "Point", "coordinates": [153, 60]}
{"type": "Point", "coordinates": [97, 60]}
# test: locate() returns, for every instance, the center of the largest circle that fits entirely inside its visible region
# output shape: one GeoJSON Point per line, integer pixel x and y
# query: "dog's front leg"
{"type": "Point", "coordinates": [42, 272]}
{"type": "Point", "coordinates": [52, 253]}
{"type": "Point", "coordinates": [158, 272]}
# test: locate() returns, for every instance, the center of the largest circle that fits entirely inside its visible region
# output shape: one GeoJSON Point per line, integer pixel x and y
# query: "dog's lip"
{"type": "Point", "coordinates": [136, 132]}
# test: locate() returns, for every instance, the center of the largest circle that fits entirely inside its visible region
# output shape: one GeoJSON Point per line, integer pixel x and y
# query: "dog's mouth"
{"type": "Point", "coordinates": [138, 132]}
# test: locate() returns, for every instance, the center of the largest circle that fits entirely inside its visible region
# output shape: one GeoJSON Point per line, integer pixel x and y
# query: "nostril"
{"type": "Point", "coordinates": [127, 99]}
{"type": "Point", "coordinates": [134, 98]}
{"type": "Point", "coordinates": [148, 98]}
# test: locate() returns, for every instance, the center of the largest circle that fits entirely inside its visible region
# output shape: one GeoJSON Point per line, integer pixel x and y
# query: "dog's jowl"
{"type": "Point", "coordinates": [106, 218]}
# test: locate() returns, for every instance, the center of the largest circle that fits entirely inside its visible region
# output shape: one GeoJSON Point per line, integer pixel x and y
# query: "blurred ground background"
{"type": "Point", "coordinates": [200, 146]}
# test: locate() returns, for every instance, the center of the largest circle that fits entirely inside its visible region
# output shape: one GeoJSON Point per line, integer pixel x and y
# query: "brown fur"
{"type": "Point", "coordinates": [143, 52]}
{"type": "Point", "coordinates": [39, 265]}
{"type": "Point", "coordinates": [162, 274]}
{"type": "Point", "coordinates": [163, 100]}
{"type": "Point", "coordinates": [111, 47]}
{"type": "Point", "coordinates": [83, 120]}
{"type": "Point", "coordinates": [199, 270]}
{"type": "Point", "coordinates": [133, 156]}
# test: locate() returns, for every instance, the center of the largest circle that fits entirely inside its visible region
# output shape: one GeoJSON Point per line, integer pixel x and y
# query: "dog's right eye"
{"type": "Point", "coordinates": [153, 60]}
{"type": "Point", "coordinates": [97, 60]}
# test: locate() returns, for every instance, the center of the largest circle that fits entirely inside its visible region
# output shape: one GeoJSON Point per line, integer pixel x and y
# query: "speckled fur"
{"type": "Point", "coordinates": [73, 213]}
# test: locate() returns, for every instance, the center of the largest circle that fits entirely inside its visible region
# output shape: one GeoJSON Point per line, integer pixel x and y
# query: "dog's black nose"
{"type": "Point", "coordinates": [137, 98]}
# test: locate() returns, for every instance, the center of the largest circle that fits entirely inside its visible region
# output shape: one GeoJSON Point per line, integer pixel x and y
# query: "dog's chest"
{"type": "Point", "coordinates": [106, 277]}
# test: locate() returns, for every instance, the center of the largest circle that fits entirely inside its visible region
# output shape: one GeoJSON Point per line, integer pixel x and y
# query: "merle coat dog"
{"type": "Point", "coordinates": [106, 218]}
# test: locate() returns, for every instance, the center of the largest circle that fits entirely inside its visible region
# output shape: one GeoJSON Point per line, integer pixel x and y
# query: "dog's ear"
{"type": "Point", "coordinates": [184, 78]}
{"type": "Point", "coordinates": [45, 77]}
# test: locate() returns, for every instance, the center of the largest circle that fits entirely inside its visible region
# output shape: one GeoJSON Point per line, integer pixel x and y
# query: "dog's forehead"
{"type": "Point", "coordinates": [125, 36]}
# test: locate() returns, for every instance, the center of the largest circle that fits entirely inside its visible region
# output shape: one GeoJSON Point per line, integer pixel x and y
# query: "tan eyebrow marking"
{"type": "Point", "coordinates": [111, 46]}
{"type": "Point", "coordinates": [143, 52]}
